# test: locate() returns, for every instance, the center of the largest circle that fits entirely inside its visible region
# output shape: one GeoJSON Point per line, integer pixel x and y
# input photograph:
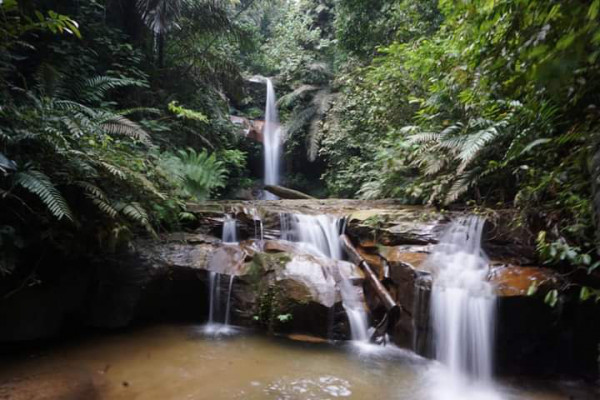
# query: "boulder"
{"type": "Point", "coordinates": [293, 292]}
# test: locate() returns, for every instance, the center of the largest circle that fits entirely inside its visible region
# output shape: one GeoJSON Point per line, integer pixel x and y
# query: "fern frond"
{"type": "Point", "coordinates": [290, 98]}
{"type": "Point", "coordinates": [475, 143]}
{"type": "Point", "coordinates": [92, 190]}
{"type": "Point", "coordinates": [119, 125]}
{"type": "Point", "coordinates": [98, 198]}
{"type": "Point", "coordinates": [299, 120]}
{"type": "Point", "coordinates": [113, 170]}
{"type": "Point", "coordinates": [96, 88]}
{"type": "Point", "coordinates": [136, 213]}
{"type": "Point", "coordinates": [146, 184]}
{"type": "Point", "coordinates": [424, 137]}
{"type": "Point", "coordinates": [40, 185]}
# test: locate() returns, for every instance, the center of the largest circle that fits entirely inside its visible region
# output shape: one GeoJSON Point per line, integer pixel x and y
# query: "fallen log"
{"type": "Point", "coordinates": [386, 298]}
{"type": "Point", "coordinates": [287, 193]}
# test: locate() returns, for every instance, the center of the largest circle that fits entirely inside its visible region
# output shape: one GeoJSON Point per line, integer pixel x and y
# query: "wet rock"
{"type": "Point", "coordinates": [282, 246]}
{"type": "Point", "coordinates": [411, 289]}
{"type": "Point", "coordinates": [292, 293]}
{"type": "Point", "coordinates": [228, 260]}
{"type": "Point", "coordinates": [404, 254]}
{"type": "Point", "coordinates": [511, 280]}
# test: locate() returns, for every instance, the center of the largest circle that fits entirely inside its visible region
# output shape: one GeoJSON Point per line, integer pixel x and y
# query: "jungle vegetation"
{"type": "Point", "coordinates": [116, 113]}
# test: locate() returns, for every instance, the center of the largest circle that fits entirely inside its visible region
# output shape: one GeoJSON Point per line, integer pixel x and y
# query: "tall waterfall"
{"type": "Point", "coordinates": [463, 301]}
{"type": "Point", "coordinates": [320, 235]}
{"type": "Point", "coordinates": [272, 139]}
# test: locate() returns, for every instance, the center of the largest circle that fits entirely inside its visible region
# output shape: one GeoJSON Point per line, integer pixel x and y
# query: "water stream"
{"type": "Point", "coordinates": [320, 235]}
{"type": "Point", "coordinates": [462, 306]}
{"type": "Point", "coordinates": [219, 317]}
{"type": "Point", "coordinates": [272, 140]}
{"type": "Point", "coordinates": [229, 230]}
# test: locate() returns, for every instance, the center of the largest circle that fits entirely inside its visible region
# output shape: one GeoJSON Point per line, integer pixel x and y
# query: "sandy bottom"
{"type": "Point", "coordinates": [184, 362]}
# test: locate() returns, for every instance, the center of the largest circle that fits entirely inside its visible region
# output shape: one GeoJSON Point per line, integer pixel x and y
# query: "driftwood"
{"type": "Point", "coordinates": [287, 193]}
{"type": "Point", "coordinates": [383, 294]}
{"type": "Point", "coordinates": [393, 309]}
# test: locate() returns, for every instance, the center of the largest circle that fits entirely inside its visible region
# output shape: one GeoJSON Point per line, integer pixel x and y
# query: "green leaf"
{"type": "Point", "coordinates": [551, 298]}
{"type": "Point", "coordinates": [39, 184]}
{"type": "Point", "coordinates": [585, 293]}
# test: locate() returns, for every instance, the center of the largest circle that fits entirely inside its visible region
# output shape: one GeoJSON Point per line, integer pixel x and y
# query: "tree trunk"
{"type": "Point", "coordinates": [287, 193]}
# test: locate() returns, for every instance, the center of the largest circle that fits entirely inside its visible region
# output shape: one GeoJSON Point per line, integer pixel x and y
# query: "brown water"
{"type": "Point", "coordinates": [180, 362]}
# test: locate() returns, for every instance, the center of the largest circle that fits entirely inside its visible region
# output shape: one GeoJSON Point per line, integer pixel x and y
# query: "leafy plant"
{"type": "Point", "coordinates": [197, 174]}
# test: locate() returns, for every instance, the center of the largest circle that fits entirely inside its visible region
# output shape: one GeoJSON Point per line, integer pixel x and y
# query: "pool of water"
{"type": "Point", "coordinates": [183, 362]}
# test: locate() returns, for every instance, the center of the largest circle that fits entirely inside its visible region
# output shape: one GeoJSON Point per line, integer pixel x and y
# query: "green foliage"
{"type": "Point", "coordinates": [40, 185]}
{"type": "Point", "coordinates": [197, 174]}
{"type": "Point", "coordinates": [498, 105]}
{"type": "Point", "coordinates": [185, 113]}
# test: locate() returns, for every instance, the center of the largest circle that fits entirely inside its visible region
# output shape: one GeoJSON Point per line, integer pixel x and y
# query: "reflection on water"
{"type": "Point", "coordinates": [178, 362]}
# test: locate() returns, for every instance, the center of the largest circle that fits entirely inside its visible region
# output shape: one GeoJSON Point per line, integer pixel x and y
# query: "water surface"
{"type": "Point", "coordinates": [182, 362]}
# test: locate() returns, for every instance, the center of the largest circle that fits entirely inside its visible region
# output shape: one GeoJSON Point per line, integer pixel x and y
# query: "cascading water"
{"type": "Point", "coordinates": [320, 235]}
{"type": "Point", "coordinates": [218, 321]}
{"type": "Point", "coordinates": [271, 139]}
{"type": "Point", "coordinates": [229, 230]}
{"type": "Point", "coordinates": [462, 306]}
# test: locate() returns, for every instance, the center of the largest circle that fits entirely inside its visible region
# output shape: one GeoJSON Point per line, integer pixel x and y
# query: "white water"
{"type": "Point", "coordinates": [320, 235]}
{"type": "Point", "coordinates": [229, 230]}
{"type": "Point", "coordinates": [462, 311]}
{"type": "Point", "coordinates": [272, 140]}
{"type": "Point", "coordinates": [218, 321]}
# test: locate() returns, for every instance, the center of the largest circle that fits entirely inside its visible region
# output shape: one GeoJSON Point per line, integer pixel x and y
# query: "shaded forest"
{"type": "Point", "coordinates": [116, 114]}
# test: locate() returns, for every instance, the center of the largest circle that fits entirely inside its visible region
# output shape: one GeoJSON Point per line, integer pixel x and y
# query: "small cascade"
{"type": "Point", "coordinates": [218, 321]}
{"type": "Point", "coordinates": [272, 140]}
{"type": "Point", "coordinates": [355, 310]}
{"type": "Point", "coordinates": [462, 301]}
{"type": "Point", "coordinates": [229, 230]}
{"type": "Point", "coordinates": [228, 308]}
{"type": "Point", "coordinates": [214, 280]}
{"type": "Point", "coordinates": [320, 235]}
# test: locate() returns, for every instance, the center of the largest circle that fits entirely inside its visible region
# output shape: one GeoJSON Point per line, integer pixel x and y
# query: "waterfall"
{"type": "Point", "coordinates": [218, 322]}
{"type": "Point", "coordinates": [355, 310]}
{"type": "Point", "coordinates": [320, 235]}
{"type": "Point", "coordinates": [271, 139]}
{"type": "Point", "coordinates": [228, 309]}
{"type": "Point", "coordinates": [462, 301]}
{"type": "Point", "coordinates": [229, 230]}
{"type": "Point", "coordinates": [214, 280]}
